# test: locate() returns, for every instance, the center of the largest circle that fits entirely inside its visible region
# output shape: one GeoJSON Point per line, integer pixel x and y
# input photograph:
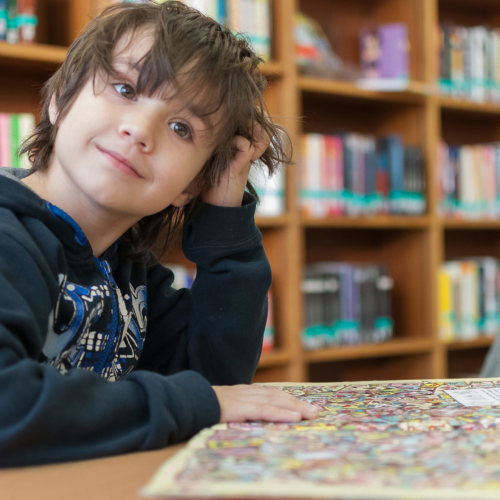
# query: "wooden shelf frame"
{"type": "Point", "coordinates": [395, 347]}
{"type": "Point", "coordinates": [419, 112]}
{"type": "Point", "coordinates": [480, 342]}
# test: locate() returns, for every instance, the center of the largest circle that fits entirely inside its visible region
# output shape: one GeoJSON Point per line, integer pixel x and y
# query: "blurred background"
{"type": "Point", "coordinates": [384, 235]}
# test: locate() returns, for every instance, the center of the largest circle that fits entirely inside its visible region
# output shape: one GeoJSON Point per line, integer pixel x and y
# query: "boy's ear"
{"type": "Point", "coordinates": [191, 192]}
{"type": "Point", "coordinates": [53, 110]}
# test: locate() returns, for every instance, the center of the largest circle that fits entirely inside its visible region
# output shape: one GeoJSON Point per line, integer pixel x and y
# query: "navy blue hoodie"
{"type": "Point", "coordinates": [102, 356]}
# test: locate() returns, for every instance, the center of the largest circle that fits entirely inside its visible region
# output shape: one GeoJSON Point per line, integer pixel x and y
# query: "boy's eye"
{"type": "Point", "coordinates": [180, 129]}
{"type": "Point", "coordinates": [125, 90]}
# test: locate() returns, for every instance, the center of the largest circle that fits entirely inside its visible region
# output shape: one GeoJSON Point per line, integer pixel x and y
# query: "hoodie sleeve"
{"type": "Point", "coordinates": [217, 327]}
{"type": "Point", "coordinates": [49, 417]}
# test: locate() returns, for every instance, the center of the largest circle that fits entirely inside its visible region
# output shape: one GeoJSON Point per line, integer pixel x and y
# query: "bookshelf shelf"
{"type": "Point", "coordinates": [470, 344]}
{"type": "Point", "coordinates": [470, 224]}
{"type": "Point", "coordinates": [274, 358]}
{"type": "Point", "coordinates": [382, 222]}
{"type": "Point", "coordinates": [280, 221]}
{"type": "Point", "coordinates": [29, 54]}
{"type": "Point", "coordinates": [467, 106]}
{"type": "Point", "coordinates": [415, 92]}
{"type": "Point", "coordinates": [395, 347]}
{"type": "Point", "coordinates": [272, 69]}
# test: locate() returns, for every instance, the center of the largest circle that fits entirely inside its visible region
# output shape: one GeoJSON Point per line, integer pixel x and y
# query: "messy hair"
{"type": "Point", "coordinates": [222, 69]}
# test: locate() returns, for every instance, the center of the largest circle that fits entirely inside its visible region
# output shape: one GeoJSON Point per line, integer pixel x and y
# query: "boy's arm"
{"type": "Point", "coordinates": [46, 416]}
{"type": "Point", "coordinates": [217, 327]}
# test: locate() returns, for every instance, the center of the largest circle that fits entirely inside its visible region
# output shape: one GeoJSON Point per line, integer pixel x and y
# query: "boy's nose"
{"type": "Point", "coordinates": [139, 133]}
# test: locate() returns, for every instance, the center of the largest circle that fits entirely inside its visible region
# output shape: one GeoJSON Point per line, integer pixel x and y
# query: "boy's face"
{"type": "Point", "coordinates": [128, 154]}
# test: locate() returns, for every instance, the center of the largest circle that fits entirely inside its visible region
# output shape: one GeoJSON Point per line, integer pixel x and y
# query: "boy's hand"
{"type": "Point", "coordinates": [240, 403]}
{"type": "Point", "coordinates": [229, 192]}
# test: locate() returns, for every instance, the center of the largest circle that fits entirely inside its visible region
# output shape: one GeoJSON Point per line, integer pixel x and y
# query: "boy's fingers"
{"type": "Point", "coordinates": [245, 150]}
{"type": "Point", "coordinates": [283, 400]}
{"type": "Point", "coordinates": [271, 413]}
{"type": "Point", "coordinates": [260, 139]}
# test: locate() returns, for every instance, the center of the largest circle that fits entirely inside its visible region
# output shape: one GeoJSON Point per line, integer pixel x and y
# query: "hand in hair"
{"type": "Point", "coordinates": [240, 403]}
{"type": "Point", "coordinates": [229, 192]}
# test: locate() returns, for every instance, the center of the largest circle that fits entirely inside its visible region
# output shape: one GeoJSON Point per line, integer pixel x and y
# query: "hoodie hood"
{"type": "Point", "coordinates": [27, 207]}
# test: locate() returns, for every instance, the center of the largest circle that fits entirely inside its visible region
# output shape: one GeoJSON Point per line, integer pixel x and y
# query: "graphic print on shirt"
{"type": "Point", "coordinates": [81, 328]}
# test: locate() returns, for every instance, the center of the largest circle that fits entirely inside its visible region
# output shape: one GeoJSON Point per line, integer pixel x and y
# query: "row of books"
{"type": "Point", "coordinates": [469, 298]}
{"type": "Point", "coordinates": [470, 62]}
{"type": "Point", "coordinates": [18, 21]}
{"type": "Point", "coordinates": [252, 17]}
{"type": "Point", "coordinates": [14, 128]}
{"type": "Point", "coordinates": [354, 174]}
{"type": "Point", "coordinates": [346, 304]}
{"type": "Point", "coordinates": [469, 181]}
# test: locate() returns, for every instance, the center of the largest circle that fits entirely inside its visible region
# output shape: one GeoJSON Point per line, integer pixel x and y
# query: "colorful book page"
{"type": "Point", "coordinates": [371, 440]}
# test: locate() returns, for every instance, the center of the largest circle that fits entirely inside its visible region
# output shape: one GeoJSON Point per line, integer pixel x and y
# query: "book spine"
{"type": "Point", "coordinates": [269, 332]}
{"type": "Point", "coordinates": [27, 20]}
{"type": "Point", "coordinates": [3, 20]}
{"type": "Point", "coordinates": [469, 300]}
{"type": "Point", "coordinates": [26, 124]}
{"type": "Point", "coordinates": [262, 14]}
{"type": "Point", "coordinates": [233, 11]}
{"type": "Point", "coordinates": [445, 306]}
{"type": "Point", "coordinates": [15, 139]}
{"type": "Point", "coordinates": [12, 34]}
{"type": "Point", "coordinates": [5, 141]}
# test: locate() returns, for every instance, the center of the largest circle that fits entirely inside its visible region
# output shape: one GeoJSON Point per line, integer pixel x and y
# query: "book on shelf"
{"type": "Point", "coordinates": [384, 55]}
{"type": "Point", "coordinates": [18, 21]}
{"type": "Point", "coordinates": [14, 128]}
{"type": "Point", "coordinates": [271, 190]}
{"type": "Point", "coordinates": [250, 17]}
{"type": "Point", "coordinates": [268, 344]}
{"type": "Point", "coordinates": [469, 181]}
{"type": "Point", "coordinates": [469, 299]}
{"type": "Point", "coordinates": [346, 304]}
{"type": "Point", "coordinates": [470, 62]}
{"type": "Point", "coordinates": [354, 174]}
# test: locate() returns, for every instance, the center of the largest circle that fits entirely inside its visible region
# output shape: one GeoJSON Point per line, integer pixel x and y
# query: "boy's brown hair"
{"type": "Point", "coordinates": [222, 69]}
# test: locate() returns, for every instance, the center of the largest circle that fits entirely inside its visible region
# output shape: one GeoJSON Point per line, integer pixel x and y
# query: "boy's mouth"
{"type": "Point", "coordinates": [120, 162]}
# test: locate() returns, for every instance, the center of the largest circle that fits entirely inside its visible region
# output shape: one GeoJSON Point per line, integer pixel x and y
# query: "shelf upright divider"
{"type": "Point", "coordinates": [433, 132]}
{"type": "Point", "coordinates": [294, 256]}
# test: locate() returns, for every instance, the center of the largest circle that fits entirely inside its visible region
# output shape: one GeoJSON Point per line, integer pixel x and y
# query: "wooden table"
{"type": "Point", "coordinates": [106, 478]}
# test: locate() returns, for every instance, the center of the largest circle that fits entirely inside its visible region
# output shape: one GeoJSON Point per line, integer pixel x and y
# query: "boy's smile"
{"type": "Point", "coordinates": [120, 163]}
{"type": "Point", "coordinates": [119, 156]}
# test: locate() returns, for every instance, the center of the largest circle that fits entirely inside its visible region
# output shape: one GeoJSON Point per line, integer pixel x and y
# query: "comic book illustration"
{"type": "Point", "coordinates": [390, 440]}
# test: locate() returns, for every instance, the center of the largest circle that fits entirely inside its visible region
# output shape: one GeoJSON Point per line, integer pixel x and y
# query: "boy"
{"type": "Point", "coordinates": [154, 108]}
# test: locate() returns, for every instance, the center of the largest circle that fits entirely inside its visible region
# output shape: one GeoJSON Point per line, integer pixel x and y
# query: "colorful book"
{"type": "Point", "coordinates": [394, 51]}
{"type": "Point", "coordinates": [268, 344]}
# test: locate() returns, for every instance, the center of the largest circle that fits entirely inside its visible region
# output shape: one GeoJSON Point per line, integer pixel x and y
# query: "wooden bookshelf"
{"type": "Point", "coordinates": [381, 221]}
{"type": "Point", "coordinates": [415, 92]}
{"type": "Point", "coordinates": [470, 344]}
{"type": "Point", "coordinates": [395, 347]}
{"type": "Point", "coordinates": [412, 247]}
{"type": "Point", "coordinates": [47, 55]}
{"type": "Point", "coordinates": [468, 106]}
